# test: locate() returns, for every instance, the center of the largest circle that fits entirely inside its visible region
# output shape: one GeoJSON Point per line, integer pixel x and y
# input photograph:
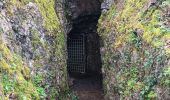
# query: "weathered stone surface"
{"type": "Point", "coordinates": [122, 58]}
{"type": "Point", "coordinates": [106, 4]}
{"type": "Point", "coordinates": [83, 7]}
{"type": "Point", "coordinates": [22, 30]}
{"type": "Point", "coordinates": [2, 4]}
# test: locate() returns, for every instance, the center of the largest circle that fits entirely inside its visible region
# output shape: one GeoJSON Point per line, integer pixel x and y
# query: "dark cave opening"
{"type": "Point", "coordinates": [83, 46]}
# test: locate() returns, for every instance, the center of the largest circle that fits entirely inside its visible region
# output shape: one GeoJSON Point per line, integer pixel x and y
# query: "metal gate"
{"type": "Point", "coordinates": [76, 53]}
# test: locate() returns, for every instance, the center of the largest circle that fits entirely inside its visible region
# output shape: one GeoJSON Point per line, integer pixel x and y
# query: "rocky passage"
{"type": "Point", "coordinates": [127, 41]}
{"type": "Point", "coordinates": [88, 88]}
{"type": "Point", "coordinates": [82, 18]}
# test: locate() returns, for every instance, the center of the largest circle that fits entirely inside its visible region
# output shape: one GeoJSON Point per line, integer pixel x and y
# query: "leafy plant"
{"type": "Point", "coordinates": [41, 92]}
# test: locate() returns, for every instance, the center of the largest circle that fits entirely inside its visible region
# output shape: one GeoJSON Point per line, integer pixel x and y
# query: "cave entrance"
{"type": "Point", "coordinates": [84, 65]}
{"type": "Point", "coordinates": [83, 53]}
{"type": "Point", "coordinates": [83, 44]}
{"type": "Point", "coordinates": [83, 48]}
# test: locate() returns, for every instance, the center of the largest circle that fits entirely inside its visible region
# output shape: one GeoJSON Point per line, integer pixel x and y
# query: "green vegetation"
{"type": "Point", "coordinates": [15, 77]}
{"type": "Point", "coordinates": [132, 18]}
{"type": "Point", "coordinates": [47, 9]}
{"type": "Point", "coordinates": [20, 3]}
{"type": "Point", "coordinates": [135, 54]}
{"type": "Point", "coordinates": [136, 60]}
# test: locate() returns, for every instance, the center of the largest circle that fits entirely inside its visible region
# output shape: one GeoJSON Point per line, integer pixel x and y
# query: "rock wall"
{"type": "Point", "coordinates": [135, 54]}
{"type": "Point", "coordinates": [32, 59]}
{"type": "Point", "coordinates": [76, 10]}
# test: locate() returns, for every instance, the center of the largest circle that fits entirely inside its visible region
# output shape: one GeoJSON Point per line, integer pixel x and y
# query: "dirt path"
{"type": "Point", "coordinates": [88, 88]}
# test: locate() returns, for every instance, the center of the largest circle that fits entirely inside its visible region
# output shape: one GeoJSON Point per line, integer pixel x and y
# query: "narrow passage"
{"type": "Point", "coordinates": [83, 48]}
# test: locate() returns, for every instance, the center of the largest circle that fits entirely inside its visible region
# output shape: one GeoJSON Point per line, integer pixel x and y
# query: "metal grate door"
{"type": "Point", "coordinates": [76, 53]}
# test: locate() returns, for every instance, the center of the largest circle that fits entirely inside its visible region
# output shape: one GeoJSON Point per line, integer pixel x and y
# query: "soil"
{"type": "Point", "coordinates": [88, 87]}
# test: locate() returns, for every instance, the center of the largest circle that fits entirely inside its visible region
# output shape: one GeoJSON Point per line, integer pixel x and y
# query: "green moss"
{"type": "Point", "coordinates": [47, 9]}
{"type": "Point", "coordinates": [131, 17]}
{"type": "Point", "coordinates": [20, 3]}
{"type": "Point", "coordinates": [50, 18]}
{"type": "Point", "coordinates": [15, 76]}
{"type": "Point", "coordinates": [36, 40]}
{"type": "Point", "coordinates": [13, 65]}
{"type": "Point", "coordinates": [139, 41]}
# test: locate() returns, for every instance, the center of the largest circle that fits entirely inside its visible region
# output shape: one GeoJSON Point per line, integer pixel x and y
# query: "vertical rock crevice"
{"type": "Point", "coordinates": [83, 16]}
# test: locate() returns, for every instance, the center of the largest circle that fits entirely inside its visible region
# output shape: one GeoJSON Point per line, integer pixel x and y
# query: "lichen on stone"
{"type": "Point", "coordinates": [47, 9]}
{"type": "Point", "coordinates": [136, 35]}
{"type": "Point", "coordinates": [31, 44]}
{"type": "Point", "coordinates": [15, 77]}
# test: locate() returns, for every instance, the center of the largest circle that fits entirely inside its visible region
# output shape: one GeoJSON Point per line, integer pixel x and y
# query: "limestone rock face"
{"type": "Point", "coordinates": [22, 30]}
{"type": "Point", "coordinates": [2, 3]}
{"type": "Point", "coordinates": [135, 54]}
{"type": "Point", "coordinates": [106, 4]}
{"type": "Point", "coordinates": [18, 30]}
